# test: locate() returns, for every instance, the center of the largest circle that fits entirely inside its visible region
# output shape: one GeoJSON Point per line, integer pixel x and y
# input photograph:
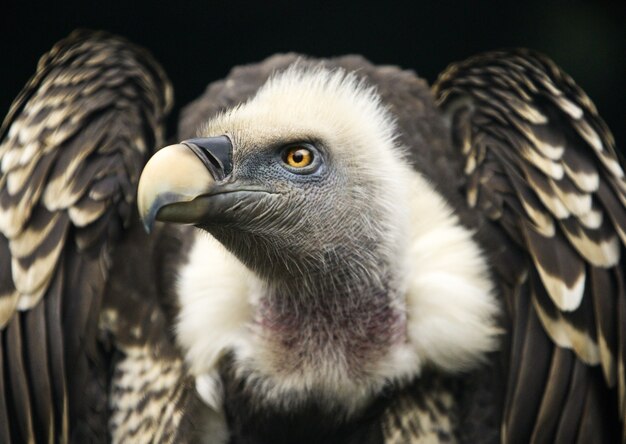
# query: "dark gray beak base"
{"type": "Point", "coordinates": [215, 152]}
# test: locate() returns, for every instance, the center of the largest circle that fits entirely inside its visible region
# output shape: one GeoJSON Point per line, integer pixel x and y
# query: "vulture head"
{"type": "Point", "coordinates": [299, 183]}
{"type": "Point", "coordinates": [337, 268]}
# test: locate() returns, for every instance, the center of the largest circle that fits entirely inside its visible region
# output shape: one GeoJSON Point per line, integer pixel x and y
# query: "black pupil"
{"type": "Point", "coordinates": [298, 156]}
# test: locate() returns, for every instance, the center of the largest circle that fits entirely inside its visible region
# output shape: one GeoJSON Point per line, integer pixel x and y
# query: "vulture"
{"type": "Point", "coordinates": [328, 251]}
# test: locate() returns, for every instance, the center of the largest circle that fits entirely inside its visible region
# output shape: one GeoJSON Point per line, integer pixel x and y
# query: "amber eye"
{"type": "Point", "coordinates": [298, 157]}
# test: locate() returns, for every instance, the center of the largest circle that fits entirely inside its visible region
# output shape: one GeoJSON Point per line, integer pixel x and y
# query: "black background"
{"type": "Point", "coordinates": [199, 41]}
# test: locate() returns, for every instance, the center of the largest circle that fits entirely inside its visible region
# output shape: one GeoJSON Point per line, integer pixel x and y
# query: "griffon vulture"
{"type": "Point", "coordinates": [337, 253]}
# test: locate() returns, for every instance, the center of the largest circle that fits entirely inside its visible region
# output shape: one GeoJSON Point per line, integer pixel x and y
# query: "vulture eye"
{"type": "Point", "coordinates": [298, 156]}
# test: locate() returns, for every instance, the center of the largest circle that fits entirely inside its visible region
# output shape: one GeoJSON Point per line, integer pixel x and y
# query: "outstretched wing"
{"type": "Point", "coordinates": [541, 164]}
{"type": "Point", "coordinates": [72, 149]}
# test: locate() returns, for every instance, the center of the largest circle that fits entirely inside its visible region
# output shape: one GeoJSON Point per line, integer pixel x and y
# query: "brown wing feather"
{"type": "Point", "coordinates": [18, 390]}
{"type": "Point", "coordinates": [35, 341]}
{"type": "Point", "coordinates": [541, 164]}
{"type": "Point", "coordinates": [72, 147]}
{"type": "Point", "coordinates": [5, 435]}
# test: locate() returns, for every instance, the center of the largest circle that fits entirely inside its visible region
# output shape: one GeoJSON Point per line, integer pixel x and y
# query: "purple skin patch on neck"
{"type": "Point", "coordinates": [355, 333]}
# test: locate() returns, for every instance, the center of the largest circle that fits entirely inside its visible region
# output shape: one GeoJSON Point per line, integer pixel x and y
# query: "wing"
{"type": "Point", "coordinates": [72, 148]}
{"type": "Point", "coordinates": [541, 164]}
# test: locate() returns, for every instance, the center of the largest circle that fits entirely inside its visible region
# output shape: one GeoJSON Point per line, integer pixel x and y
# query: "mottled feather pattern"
{"type": "Point", "coordinates": [542, 165]}
{"type": "Point", "coordinates": [422, 417]}
{"type": "Point", "coordinates": [150, 390]}
{"type": "Point", "coordinates": [146, 390]}
{"type": "Point", "coordinates": [72, 147]}
{"type": "Point", "coordinates": [80, 106]}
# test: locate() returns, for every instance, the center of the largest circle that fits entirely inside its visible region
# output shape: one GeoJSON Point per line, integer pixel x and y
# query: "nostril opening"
{"type": "Point", "coordinates": [210, 157]}
{"type": "Point", "coordinates": [215, 153]}
{"type": "Point", "coordinates": [209, 161]}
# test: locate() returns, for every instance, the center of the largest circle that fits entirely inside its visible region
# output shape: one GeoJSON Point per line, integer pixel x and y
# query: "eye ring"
{"type": "Point", "coordinates": [298, 156]}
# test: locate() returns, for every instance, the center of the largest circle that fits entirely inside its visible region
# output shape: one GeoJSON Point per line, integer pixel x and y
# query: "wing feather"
{"type": "Point", "coordinates": [529, 384]}
{"type": "Point", "coordinates": [71, 148]}
{"type": "Point", "coordinates": [5, 433]}
{"type": "Point", "coordinates": [35, 342]}
{"type": "Point", "coordinates": [9, 296]}
{"type": "Point", "coordinates": [567, 430]}
{"type": "Point", "coordinates": [19, 391]}
{"type": "Point", "coordinates": [560, 195]}
{"type": "Point", "coordinates": [58, 374]}
{"type": "Point", "coordinates": [603, 288]}
{"type": "Point", "coordinates": [621, 340]}
{"type": "Point", "coordinates": [554, 396]}
{"type": "Point", "coordinates": [561, 270]}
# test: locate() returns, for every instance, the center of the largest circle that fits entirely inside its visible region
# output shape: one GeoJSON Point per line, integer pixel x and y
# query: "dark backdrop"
{"type": "Point", "coordinates": [199, 41]}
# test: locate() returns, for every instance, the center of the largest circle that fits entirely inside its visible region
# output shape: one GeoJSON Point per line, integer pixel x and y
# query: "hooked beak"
{"type": "Point", "coordinates": [178, 181]}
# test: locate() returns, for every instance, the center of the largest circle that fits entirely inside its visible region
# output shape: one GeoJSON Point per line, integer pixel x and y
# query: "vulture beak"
{"type": "Point", "coordinates": [186, 182]}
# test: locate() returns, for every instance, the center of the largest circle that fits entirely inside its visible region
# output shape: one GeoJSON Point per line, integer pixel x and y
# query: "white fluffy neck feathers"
{"type": "Point", "coordinates": [449, 306]}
